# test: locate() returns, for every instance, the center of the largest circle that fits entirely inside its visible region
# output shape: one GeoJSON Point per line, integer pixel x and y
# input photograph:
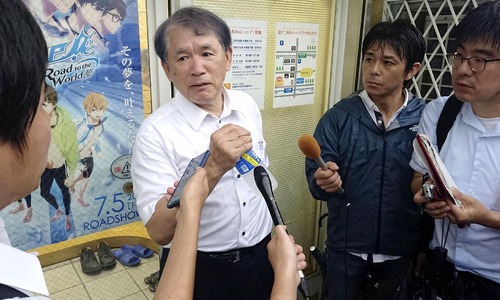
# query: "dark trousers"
{"type": "Point", "coordinates": [242, 274]}
{"type": "Point", "coordinates": [59, 175]}
{"type": "Point", "coordinates": [349, 274]}
{"type": "Point", "coordinates": [468, 286]}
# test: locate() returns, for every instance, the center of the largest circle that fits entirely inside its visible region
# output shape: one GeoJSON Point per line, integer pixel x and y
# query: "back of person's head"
{"type": "Point", "coordinates": [406, 40]}
{"type": "Point", "coordinates": [51, 95]}
{"type": "Point", "coordinates": [480, 25]}
{"type": "Point", "coordinates": [199, 20]}
{"type": "Point", "coordinates": [23, 63]}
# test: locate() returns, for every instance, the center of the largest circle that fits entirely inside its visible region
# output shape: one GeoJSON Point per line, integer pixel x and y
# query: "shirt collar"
{"type": "Point", "coordinates": [195, 115]}
{"type": "Point", "coordinates": [470, 118]}
{"type": "Point", "coordinates": [372, 108]}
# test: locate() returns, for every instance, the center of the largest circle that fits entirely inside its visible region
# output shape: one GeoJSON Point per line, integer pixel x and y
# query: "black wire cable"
{"type": "Point", "coordinates": [345, 249]}
{"type": "Point", "coordinates": [445, 237]}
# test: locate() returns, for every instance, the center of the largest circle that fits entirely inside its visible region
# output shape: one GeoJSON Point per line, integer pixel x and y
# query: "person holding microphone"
{"type": "Point", "coordinates": [366, 141]}
{"type": "Point", "coordinates": [177, 280]}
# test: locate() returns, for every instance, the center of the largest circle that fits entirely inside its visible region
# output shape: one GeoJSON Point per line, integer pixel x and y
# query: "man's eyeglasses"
{"type": "Point", "coordinates": [115, 18]}
{"type": "Point", "coordinates": [477, 64]}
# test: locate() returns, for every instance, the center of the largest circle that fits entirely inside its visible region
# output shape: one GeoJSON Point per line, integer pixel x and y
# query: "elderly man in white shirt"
{"type": "Point", "coordinates": [195, 48]}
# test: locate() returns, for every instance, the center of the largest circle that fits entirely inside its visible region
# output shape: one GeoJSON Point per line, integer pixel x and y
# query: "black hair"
{"type": "Point", "coordinates": [481, 24]}
{"type": "Point", "coordinates": [199, 20]}
{"type": "Point", "coordinates": [119, 5]}
{"type": "Point", "coordinates": [23, 64]}
{"type": "Point", "coordinates": [99, 5]}
{"type": "Point", "coordinates": [402, 36]}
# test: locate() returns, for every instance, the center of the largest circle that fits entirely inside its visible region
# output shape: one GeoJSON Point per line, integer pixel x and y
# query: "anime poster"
{"type": "Point", "coordinates": [94, 97]}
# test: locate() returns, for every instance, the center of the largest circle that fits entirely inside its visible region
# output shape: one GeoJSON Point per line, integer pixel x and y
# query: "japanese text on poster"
{"type": "Point", "coordinates": [94, 98]}
{"type": "Point", "coordinates": [249, 58]}
{"type": "Point", "coordinates": [295, 64]}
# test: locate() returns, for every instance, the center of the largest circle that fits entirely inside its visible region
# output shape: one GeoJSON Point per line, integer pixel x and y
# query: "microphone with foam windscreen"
{"type": "Point", "coordinates": [310, 147]}
{"type": "Point", "coordinates": [265, 187]}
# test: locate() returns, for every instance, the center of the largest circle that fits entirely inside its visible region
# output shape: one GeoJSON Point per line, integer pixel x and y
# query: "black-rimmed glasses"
{"type": "Point", "coordinates": [477, 64]}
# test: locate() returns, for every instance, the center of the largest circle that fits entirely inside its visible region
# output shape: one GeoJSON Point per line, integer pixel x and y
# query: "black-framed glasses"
{"type": "Point", "coordinates": [115, 18]}
{"type": "Point", "coordinates": [477, 64]}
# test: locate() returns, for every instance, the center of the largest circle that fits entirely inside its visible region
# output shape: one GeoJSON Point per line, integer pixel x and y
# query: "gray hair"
{"type": "Point", "coordinates": [199, 20]}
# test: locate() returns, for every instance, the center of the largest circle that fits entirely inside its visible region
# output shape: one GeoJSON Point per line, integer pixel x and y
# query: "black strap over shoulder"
{"type": "Point", "coordinates": [446, 119]}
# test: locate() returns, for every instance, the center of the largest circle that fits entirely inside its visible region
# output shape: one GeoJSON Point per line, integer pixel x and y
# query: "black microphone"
{"type": "Point", "coordinates": [265, 187]}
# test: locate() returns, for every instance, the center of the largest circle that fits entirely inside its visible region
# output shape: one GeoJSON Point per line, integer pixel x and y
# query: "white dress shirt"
{"type": "Point", "coordinates": [471, 155]}
{"type": "Point", "coordinates": [372, 108]}
{"type": "Point", "coordinates": [4, 239]}
{"type": "Point", "coordinates": [233, 216]}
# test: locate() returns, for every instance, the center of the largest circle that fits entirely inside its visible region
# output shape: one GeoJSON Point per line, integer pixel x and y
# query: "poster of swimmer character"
{"type": "Point", "coordinates": [94, 98]}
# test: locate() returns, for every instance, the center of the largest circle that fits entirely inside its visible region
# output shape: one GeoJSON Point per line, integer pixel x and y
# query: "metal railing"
{"type": "Point", "coordinates": [435, 19]}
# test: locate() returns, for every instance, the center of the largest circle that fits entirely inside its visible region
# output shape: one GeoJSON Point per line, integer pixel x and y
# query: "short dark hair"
{"type": "Point", "coordinates": [402, 36]}
{"type": "Point", "coordinates": [481, 24]}
{"type": "Point", "coordinates": [23, 64]}
{"type": "Point", "coordinates": [199, 20]}
{"type": "Point", "coordinates": [99, 5]}
{"type": "Point", "coordinates": [119, 5]}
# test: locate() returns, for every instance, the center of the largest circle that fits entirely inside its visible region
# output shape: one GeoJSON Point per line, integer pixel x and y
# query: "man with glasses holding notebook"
{"type": "Point", "coordinates": [470, 153]}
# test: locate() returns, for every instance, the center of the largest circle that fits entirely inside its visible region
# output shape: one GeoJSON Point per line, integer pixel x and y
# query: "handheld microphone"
{"type": "Point", "coordinates": [265, 187]}
{"type": "Point", "coordinates": [310, 147]}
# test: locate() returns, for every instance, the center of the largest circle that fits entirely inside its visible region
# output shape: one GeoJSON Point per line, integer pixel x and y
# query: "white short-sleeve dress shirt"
{"type": "Point", "coordinates": [471, 155]}
{"type": "Point", "coordinates": [233, 216]}
{"type": "Point", "coordinates": [4, 239]}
